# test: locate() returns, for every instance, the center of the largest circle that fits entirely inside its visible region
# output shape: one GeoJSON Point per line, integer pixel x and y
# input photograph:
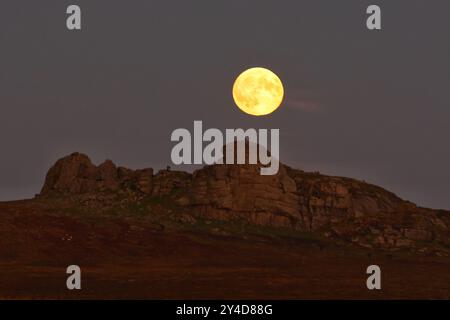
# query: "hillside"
{"type": "Point", "coordinates": [337, 208]}
{"type": "Point", "coordinates": [224, 231]}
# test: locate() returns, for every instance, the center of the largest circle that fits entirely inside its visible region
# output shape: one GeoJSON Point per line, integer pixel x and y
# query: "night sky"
{"type": "Point", "coordinates": [372, 105]}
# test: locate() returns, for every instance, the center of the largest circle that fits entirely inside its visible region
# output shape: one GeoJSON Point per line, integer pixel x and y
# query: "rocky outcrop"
{"type": "Point", "coordinates": [366, 214]}
{"type": "Point", "coordinates": [167, 182]}
{"type": "Point", "coordinates": [335, 207]}
{"type": "Point", "coordinates": [341, 208]}
{"type": "Point", "coordinates": [239, 192]}
{"type": "Point", "coordinates": [75, 174]}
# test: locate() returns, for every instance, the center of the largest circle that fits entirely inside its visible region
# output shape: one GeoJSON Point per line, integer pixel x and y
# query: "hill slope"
{"type": "Point", "coordinates": [332, 207]}
{"type": "Point", "coordinates": [224, 231]}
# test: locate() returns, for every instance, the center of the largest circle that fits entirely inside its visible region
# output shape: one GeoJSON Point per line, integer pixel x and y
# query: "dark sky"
{"type": "Point", "coordinates": [372, 105]}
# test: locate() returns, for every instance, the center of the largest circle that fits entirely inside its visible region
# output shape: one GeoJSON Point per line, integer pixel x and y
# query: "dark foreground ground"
{"type": "Point", "coordinates": [123, 257]}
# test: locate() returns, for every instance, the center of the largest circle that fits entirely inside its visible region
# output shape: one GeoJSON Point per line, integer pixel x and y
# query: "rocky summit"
{"type": "Point", "coordinates": [339, 209]}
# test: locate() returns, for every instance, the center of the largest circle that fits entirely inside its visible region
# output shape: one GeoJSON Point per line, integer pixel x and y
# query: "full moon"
{"type": "Point", "coordinates": [258, 91]}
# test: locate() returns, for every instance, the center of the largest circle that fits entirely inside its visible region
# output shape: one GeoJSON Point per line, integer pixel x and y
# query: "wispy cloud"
{"type": "Point", "coordinates": [303, 100]}
{"type": "Point", "coordinates": [303, 105]}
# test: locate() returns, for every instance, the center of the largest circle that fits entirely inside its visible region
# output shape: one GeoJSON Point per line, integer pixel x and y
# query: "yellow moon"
{"type": "Point", "coordinates": [258, 91]}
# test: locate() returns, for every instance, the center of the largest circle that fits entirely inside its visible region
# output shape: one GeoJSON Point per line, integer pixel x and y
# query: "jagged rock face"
{"type": "Point", "coordinates": [335, 207]}
{"type": "Point", "coordinates": [325, 200]}
{"type": "Point", "coordinates": [290, 198]}
{"type": "Point", "coordinates": [75, 174]}
{"type": "Point", "coordinates": [366, 214]}
{"type": "Point", "coordinates": [240, 192]}
{"type": "Point", "coordinates": [166, 182]}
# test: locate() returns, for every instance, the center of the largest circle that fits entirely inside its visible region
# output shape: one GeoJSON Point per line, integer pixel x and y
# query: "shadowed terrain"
{"type": "Point", "coordinates": [222, 232]}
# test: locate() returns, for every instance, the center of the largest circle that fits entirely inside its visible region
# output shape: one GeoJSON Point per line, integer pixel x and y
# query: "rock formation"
{"type": "Point", "coordinates": [335, 207]}
{"type": "Point", "coordinates": [75, 174]}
